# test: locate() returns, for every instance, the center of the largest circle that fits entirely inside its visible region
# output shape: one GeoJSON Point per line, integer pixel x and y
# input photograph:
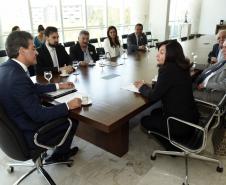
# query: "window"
{"type": "Point", "coordinates": [46, 13]}
{"type": "Point", "coordinates": [19, 17]}
{"type": "Point", "coordinates": [96, 12]}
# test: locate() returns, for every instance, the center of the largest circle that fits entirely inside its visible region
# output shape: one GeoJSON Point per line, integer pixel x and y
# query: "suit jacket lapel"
{"type": "Point", "coordinates": [47, 54]}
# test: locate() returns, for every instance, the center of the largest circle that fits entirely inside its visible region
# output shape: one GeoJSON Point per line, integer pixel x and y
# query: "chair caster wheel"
{"type": "Point", "coordinates": [70, 164]}
{"type": "Point", "coordinates": [153, 157]}
{"type": "Point", "coordinates": [184, 184]}
{"type": "Point", "coordinates": [10, 169]}
{"type": "Point", "coordinates": [219, 169]}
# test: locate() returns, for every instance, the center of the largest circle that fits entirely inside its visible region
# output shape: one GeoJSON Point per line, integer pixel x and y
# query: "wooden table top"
{"type": "Point", "coordinates": [112, 106]}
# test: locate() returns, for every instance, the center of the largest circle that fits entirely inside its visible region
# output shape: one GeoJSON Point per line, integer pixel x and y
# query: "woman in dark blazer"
{"type": "Point", "coordinates": [174, 89]}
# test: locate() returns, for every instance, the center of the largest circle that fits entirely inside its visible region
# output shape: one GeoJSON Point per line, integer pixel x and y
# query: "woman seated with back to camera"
{"type": "Point", "coordinates": [174, 89]}
{"type": "Point", "coordinates": [112, 44]}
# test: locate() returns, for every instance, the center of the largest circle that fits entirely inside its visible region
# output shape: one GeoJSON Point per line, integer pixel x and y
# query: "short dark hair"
{"type": "Point", "coordinates": [14, 28]}
{"type": "Point", "coordinates": [40, 28]}
{"type": "Point", "coordinates": [15, 40]}
{"type": "Point", "coordinates": [83, 32]}
{"type": "Point", "coordinates": [49, 30]}
{"type": "Point", "coordinates": [175, 54]}
{"type": "Point", "coordinates": [139, 24]}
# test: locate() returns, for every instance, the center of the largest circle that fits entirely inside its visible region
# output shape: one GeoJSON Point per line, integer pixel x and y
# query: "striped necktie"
{"type": "Point", "coordinates": [207, 72]}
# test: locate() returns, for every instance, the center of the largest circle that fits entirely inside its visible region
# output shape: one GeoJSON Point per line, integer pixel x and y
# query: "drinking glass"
{"type": "Point", "coordinates": [48, 75]}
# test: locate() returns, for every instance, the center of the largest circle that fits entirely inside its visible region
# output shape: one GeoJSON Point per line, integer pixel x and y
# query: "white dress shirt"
{"type": "Point", "coordinates": [114, 51]}
{"type": "Point", "coordinates": [87, 56]}
{"type": "Point", "coordinates": [53, 55]}
{"type": "Point", "coordinates": [220, 56]}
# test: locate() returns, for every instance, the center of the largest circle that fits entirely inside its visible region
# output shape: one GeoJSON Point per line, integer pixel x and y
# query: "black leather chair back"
{"type": "Point", "coordinates": [100, 51]}
{"type": "Point", "coordinates": [102, 39]}
{"type": "Point", "coordinates": [12, 141]}
{"type": "Point", "coordinates": [93, 41]}
{"type": "Point", "coordinates": [69, 44]}
{"type": "Point", "coordinates": [3, 53]}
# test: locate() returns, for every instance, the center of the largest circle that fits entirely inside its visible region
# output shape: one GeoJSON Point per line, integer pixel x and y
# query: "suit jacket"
{"type": "Point", "coordinates": [132, 42]}
{"type": "Point", "coordinates": [174, 89]}
{"type": "Point", "coordinates": [214, 52]}
{"type": "Point", "coordinates": [218, 80]}
{"type": "Point", "coordinates": [20, 98]}
{"type": "Point", "coordinates": [77, 54]}
{"type": "Point", "coordinates": [45, 62]}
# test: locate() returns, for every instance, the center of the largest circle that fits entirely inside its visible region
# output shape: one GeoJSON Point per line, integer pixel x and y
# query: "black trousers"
{"type": "Point", "coordinates": [158, 122]}
{"type": "Point", "coordinates": [54, 136]}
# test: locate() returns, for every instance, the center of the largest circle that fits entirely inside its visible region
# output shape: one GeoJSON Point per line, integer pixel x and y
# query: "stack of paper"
{"type": "Point", "coordinates": [131, 87]}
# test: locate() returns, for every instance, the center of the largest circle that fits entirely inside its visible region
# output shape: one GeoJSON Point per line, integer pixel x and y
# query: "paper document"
{"type": "Point", "coordinates": [60, 92]}
{"type": "Point", "coordinates": [131, 87]}
{"type": "Point", "coordinates": [68, 97]}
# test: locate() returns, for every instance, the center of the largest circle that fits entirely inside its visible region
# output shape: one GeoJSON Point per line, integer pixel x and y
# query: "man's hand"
{"type": "Point", "coordinates": [74, 103]}
{"type": "Point", "coordinates": [142, 47]}
{"type": "Point", "coordinates": [139, 83]}
{"type": "Point", "coordinates": [66, 85]}
{"type": "Point", "coordinates": [83, 63]}
{"type": "Point", "coordinates": [200, 87]}
{"type": "Point", "coordinates": [213, 60]}
{"type": "Point", "coordinates": [68, 69]}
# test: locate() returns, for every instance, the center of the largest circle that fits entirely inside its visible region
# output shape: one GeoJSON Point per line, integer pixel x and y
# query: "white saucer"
{"type": "Point", "coordinates": [91, 64]}
{"type": "Point", "coordinates": [64, 75]}
{"type": "Point", "coordinates": [89, 102]}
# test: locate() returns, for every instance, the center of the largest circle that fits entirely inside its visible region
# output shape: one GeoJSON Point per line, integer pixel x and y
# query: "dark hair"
{"type": "Point", "coordinates": [139, 24]}
{"type": "Point", "coordinates": [175, 54]}
{"type": "Point", "coordinates": [15, 40]}
{"type": "Point", "coordinates": [116, 38]}
{"type": "Point", "coordinates": [49, 30]}
{"type": "Point", "coordinates": [40, 28]}
{"type": "Point", "coordinates": [14, 28]}
{"type": "Point", "coordinates": [83, 32]}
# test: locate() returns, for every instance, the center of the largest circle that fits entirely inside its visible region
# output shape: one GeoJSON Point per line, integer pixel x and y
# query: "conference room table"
{"type": "Point", "coordinates": [105, 122]}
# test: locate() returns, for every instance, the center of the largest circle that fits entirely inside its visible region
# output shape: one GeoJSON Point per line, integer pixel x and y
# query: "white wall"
{"type": "Point", "coordinates": [158, 18]}
{"type": "Point", "coordinates": [211, 14]}
{"type": "Point", "coordinates": [140, 12]}
{"type": "Point", "coordinates": [194, 12]}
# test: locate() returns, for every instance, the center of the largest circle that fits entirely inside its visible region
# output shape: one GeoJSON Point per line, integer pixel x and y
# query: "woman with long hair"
{"type": "Point", "coordinates": [174, 89]}
{"type": "Point", "coordinates": [111, 43]}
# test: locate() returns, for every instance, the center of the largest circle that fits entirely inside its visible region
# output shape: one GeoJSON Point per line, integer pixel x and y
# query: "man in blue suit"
{"type": "Point", "coordinates": [20, 97]}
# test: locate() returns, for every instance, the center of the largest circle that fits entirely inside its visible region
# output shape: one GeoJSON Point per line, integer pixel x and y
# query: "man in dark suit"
{"type": "Point", "coordinates": [216, 54]}
{"type": "Point", "coordinates": [83, 52]}
{"type": "Point", "coordinates": [20, 97]}
{"type": "Point", "coordinates": [138, 40]}
{"type": "Point", "coordinates": [52, 56]}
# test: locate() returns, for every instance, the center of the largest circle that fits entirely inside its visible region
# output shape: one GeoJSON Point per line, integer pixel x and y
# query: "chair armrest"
{"type": "Point", "coordinates": [179, 145]}
{"type": "Point", "coordinates": [183, 122]}
{"type": "Point", "coordinates": [207, 103]}
{"type": "Point", "coordinates": [48, 127]}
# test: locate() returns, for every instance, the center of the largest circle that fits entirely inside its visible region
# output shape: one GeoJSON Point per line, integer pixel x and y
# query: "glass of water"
{"type": "Point", "coordinates": [48, 75]}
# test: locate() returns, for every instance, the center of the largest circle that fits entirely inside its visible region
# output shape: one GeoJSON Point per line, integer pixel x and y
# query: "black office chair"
{"type": "Point", "coordinates": [94, 42]}
{"type": "Point", "coordinates": [152, 42]}
{"type": "Point", "coordinates": [69, 44]}
{"type": "Point", "coordinates": [3, 53]}
{"type": "Point", "coordinates": [14, 145]}
{"type": "Point", "coordinates": [191, 147]}
{"type": "Point", "coordinates": [102, 39]}
{"type": "Point", "coordinates": [124, 38]}
{"type": "Point", "coordinates": [184, 38]}
{"type": "Point", "coordinates": [100, 51]}
{"type": "Point", "coordinates": [192, 36]}
{"type": "Point", "coordinates": [199, 35]}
